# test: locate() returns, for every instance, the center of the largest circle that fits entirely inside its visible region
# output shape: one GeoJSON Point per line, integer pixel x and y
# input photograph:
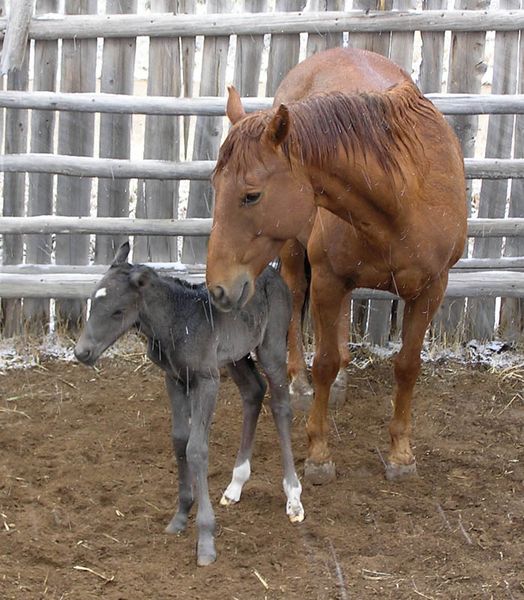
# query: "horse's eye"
{"type": "Point", "coordinates": [251, 199]}
{"type": "Point", "coordinates": [117, 314]}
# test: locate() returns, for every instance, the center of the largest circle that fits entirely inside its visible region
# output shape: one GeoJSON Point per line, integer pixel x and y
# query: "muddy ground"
{"type": "Point", "coordinates": [87, 484]}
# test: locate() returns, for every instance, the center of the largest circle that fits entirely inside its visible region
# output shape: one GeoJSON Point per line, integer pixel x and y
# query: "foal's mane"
{"type": "Point", "coordinates": [384, 124]}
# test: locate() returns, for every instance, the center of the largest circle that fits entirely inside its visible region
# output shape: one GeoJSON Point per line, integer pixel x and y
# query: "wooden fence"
{"type": "Point", "coordinates": [65, 126]}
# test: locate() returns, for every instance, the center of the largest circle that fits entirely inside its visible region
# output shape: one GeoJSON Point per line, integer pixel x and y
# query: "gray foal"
{"type": "Point", "coordinates": [190, 340]}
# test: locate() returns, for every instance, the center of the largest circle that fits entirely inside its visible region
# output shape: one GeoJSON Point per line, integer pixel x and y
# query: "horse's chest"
{"type": "Point", "coordinates": [239, 335]}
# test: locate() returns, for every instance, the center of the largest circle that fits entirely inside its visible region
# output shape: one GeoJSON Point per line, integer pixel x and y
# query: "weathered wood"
{"type": "Point", "coordinates": [159, 199]}
{"type": "Point", "coordinates": [509, 228]}
{"type": "Point", "coordinates": [75, 137]}
{"type": "Point", "coordinates": [317, 42]}
{"type": "Point", "coordinates": [169, 25]}
{"type": "Point", "coordinates": [248, 56]}
{"type": "Point", "coordinates": [81, 285]}
{"type": "Point", "coordinates": [16, 36]}
{"type": "Point", "coordinates": [401, 44]}
{"type": "Point", "coordinates": [40, 200]}
{"type": "Point", "coordinates": [375, 41]}
{"type": "Point", "coordinates": [431, 66]}
{"type": "Point", "coordinates": [465, 75]}
{"type": "Point", "coordinates": [14, 196]}
{"type": "Point", "coordinates": [449, 104]}
{"type": "Point", "coordinates": [512, 309]}
{"type": "Point", "coordinates": [284, 49]}
{"type": "Point", "coordinates": [83, 166]}
{"type": "Point", "coordinates": [208, 131]}
{"type": "Point", "coordinates": [118, 64]}
{"type": "Point", "coordinates": [187, 60]}
{"type": "Point", "coordinates": [480, 321]}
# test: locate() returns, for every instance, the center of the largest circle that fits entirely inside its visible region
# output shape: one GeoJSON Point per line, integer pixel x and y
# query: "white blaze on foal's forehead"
{"type": "Point", "coordinates": [101, 293]}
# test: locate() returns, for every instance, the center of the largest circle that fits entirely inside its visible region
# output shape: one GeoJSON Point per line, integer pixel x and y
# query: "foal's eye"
{"type": "Point", "coordinates": [117, 314]}
{"type": "Point", "coordinates": [251, 199]}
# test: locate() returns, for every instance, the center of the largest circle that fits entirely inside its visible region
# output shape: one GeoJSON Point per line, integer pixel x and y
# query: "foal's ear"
{"type": "Point", "coordinates": [140, 277]}
{"type": "Point", "coordinates": [234, 109]}
{"type": "Point", "coordinates": [121, 254]}
{"type": "Point", "coordinates": [278, 128]}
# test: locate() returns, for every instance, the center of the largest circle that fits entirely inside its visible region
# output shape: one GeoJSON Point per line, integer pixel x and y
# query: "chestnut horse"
{"type": "Point", "coordinates": [350, 133]}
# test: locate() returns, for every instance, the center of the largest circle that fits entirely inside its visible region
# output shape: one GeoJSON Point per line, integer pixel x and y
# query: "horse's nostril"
{"type": "Point", "coordinates": [218, 292]}
{"type": "Point", "coordinates": [82, 355]}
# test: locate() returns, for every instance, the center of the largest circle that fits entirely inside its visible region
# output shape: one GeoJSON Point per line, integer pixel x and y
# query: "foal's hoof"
{"type": "Point", "coordinates": [337, 393]}
{"type": "Point", "coordinates": [396, 472]}
{"type": "Point", "coordinates": [301, 400]}
{"type": "Point", "coordinates": [319, 473]}
{"type": "Point", "coordinates": [177, 525]}
{"type": "Point", "coordinates": [205, 560]}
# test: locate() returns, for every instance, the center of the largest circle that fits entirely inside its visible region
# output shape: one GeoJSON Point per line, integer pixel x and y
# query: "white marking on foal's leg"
{"type": "Point", "coordinates": [241, 474]}
{"type": "Point", "coordinates": [294, 508]}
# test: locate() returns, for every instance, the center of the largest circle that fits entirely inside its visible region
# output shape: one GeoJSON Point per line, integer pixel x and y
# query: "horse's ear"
{"type": "Point", "coordinates": [121, 254]}
{"type": "Point", "coordinates": [234, 109]}
{"type": "Point", "coordinates": [278, 128]}
{"type": "Point", "coordinates": [140, 277]}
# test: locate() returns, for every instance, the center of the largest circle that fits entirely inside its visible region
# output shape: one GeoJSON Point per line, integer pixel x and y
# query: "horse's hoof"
{"type": "Point", "coordinates": [319, 473]}
{"type": "Point", "coordinates": [204, 560]}
{"type": "Point", "coordinates": [297, 515]}
{"type": "Point", "coordinates": [225, 501]}
{"type": "Point", "coordinates": [395, 472]}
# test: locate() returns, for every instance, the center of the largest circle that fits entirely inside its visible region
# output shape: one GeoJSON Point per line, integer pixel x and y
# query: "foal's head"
{"type": "Point", "coordinates": [114, 307]}
{"type": "Point", "coordinates": [260, 202]}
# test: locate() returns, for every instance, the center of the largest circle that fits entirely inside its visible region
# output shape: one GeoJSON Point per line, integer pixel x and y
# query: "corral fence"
{"type": "Point", "coordinates": [84, 169]}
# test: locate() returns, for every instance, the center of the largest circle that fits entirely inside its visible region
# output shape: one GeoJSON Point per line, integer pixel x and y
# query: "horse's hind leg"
{"type": "Point", "coordinates": [337, 394]}
{"type": "Point", "coordinates": [272, 356]}
{"type": "Point", "coordinates": [180, 410]}
{"type": "Point", "coordinates": [252, 388]}
{"type": "Point", "coordinates": [293, 258]}
{"type": "Point", "coordinates": [417, 317]}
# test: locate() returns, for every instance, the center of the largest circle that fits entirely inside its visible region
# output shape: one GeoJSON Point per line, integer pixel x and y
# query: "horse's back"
{"type": "Point", "coordinates": [347, 70]}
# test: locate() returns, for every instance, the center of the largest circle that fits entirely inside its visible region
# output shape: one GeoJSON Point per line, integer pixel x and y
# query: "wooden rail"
{"type": "Point", "coordinates": [169, 25]}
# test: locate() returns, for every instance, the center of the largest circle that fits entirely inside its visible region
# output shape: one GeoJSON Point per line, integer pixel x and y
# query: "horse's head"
{"type": "Point", "coordinates": [261, 200]}
{"type": "Point", "coordinates": [114, 308]}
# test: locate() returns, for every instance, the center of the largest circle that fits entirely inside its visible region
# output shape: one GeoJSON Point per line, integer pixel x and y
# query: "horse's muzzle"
{"type": "Point", "coordinates": [234, 297]}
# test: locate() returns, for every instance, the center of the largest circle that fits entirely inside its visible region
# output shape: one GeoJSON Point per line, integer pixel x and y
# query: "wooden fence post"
{"type": "Point", "coordinates": [187, 50]}
{"type": "Point", "coordinates": [480, 321]}
{"type": "Point", "coordinates": [40, 201]}
{"type": "Point", "coordinates": [159, 199]}
{"type": "Point", "coordinates": [14, 195]}
{"type": "Point", "coordinates": [15, 62]}
{"type": "Point", "coordinates": [75, 137]}
{"type": "Point", "coordinates": [208, 132]}
{"type": "Point", "coordinates": [316, 42]}
{"type": "Point", "coordinates": [118, 65]}
{"type": "Point", "coordinates": [512, 309]}
{"type": "Point", "coordinates": [466, 68]}
{"type": "Point", "coordinates": [248, 56]}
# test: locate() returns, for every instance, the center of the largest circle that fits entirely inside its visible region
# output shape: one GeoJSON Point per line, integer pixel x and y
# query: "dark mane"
{"type": "Point", "coordinates": [384, 124]}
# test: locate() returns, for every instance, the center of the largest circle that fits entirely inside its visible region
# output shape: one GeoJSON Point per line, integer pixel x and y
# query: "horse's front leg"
{"type": "Point", "coordinates": [293, 260]}
{"type": "Point", "coordinates": [417, 317]}
{"type": "Point", "coordinates": [337, 394]}
{"type": "Point", "coordinates": [252, 388]}
{"type": "Point", "coordinates": [180, 411]}
{"type": "Point", "coordinates": [203, 393]}
{"type": "Point", "coordinates": [326, 299]}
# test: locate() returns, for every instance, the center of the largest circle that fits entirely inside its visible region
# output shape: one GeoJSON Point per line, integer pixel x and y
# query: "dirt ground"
{"type": "Point", "coordinates": [88, 482]}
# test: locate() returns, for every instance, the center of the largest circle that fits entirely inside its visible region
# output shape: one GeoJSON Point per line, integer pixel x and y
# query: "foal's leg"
{"type": "Point", "coordinates": [272, 356]}
{"type": "Point", "coordinates": [293, 272]}
{"type": "Point", "coordinates": [252, 388]}
{"type": "Point", "coordinates": [327, 294]}
{"type": "Point", "coordinates": [417, 317]}
{"type": "Point", "coordinates": [180, 411]}
{"type": "Point", "coordinates": [203, 392]}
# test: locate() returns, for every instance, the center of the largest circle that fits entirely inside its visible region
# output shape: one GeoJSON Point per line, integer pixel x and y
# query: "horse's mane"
{"type": "Point", "coordinates": [384, 124]}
